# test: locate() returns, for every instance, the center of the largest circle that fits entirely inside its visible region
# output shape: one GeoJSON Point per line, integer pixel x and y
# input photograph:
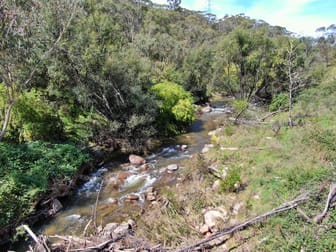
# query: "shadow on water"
{"type": "Point", "coordinates": [197, 126]}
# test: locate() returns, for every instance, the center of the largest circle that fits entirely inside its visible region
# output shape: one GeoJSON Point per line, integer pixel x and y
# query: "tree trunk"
{"type": "Point", "coordinates": [291, 85]}
{"type": "Point", "coordinates": [7, 119]}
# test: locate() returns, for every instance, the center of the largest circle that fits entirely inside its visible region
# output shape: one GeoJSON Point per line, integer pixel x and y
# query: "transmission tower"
{"type": "Point", "coordinates": [209, 6]}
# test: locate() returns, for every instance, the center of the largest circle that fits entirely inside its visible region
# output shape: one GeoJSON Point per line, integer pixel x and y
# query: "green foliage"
{"type": "Point", "coordinates": [176, 107]}
{"type": "Point", "coordinates": [35, 119]}
{"type": "Point", "coordinates": [232, 180]}
{"type": "Point", "coordinates": [327, 140]}
{"type": "Point", "coordinates": [279, 102]}
{"type": "Point", "coordinates": [29, 170]}
{"type": "Point", "coordinates": [240, 106]}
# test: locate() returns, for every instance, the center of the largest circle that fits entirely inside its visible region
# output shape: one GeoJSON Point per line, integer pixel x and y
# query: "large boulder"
{"type": "Point", "coordinates": [122, 228]}
{"type": "Point", "coordinates": [109, 228]}
{"type": "Point", "coordinates": [136, 160]}
{"type": "Point", "coordinates": [213, 217]}
{"type": "Point", "coordinates": [56, 206]}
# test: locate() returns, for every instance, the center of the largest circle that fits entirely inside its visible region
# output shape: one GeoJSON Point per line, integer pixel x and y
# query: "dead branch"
{"type": "Point", "coordinates": [102, 245]}
{"type": "Point", "coordinates": [86, 227]}
{"type": "Point", "coordinates": [245, 122]}
{"type": "Point", "coordinates": [304, 215]}
{"type": "Point", "coordinates": [269, 115]}
{"type": "Point", "coordinates": [94, 217]}
{"type": "Point", "coordinates": [284, 207]}
{"type": "Point", "coordinates": [332, 193]}
{"type": "Point", "coordinates": [39, 243]}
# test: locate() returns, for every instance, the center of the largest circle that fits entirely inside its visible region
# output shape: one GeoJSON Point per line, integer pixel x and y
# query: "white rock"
{"type": "Point", "coordinates": [212, 217]}
{"type": "Point", "coordinates": [207, 147]}
{"type": "Point", "coordinates": [56, 206]}
{"type": "Point", "coordinates": [236, 208]}
{"type": "Point", "coordinates": [110, 227]}
{"type": "Point", "coordinates": [136, 160]}
{"type": "Point", "coordinates": [216, 186]}
{"type": "Point", "coordinates": [131, 223]}
{"type": "Point", "coordinates": [172, 167]}
{"type": "Point", "coordinates": [206, 109]}
{"type": "Point", "coordinates": [205, 150]}
{"type": "Point", "coordinates": [184, 147]}
{"type": "Point", "coordinates": [122, 228]}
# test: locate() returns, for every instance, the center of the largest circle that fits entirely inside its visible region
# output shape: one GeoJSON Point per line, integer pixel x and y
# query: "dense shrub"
{"type": "Point", "coordinates": [232, 180]}
{"type": "Point", "coordinates": [280, 101]}
{"type": "Point", "coordinates": [33, 118]}
{"type": "Point", "coordinates": [29, 170]}
{"type": "Point", "coordinates": [176, 107]}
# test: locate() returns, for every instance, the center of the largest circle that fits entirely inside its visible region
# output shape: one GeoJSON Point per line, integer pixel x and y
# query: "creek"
{"type": "Point", "coordinates": [115, 181]}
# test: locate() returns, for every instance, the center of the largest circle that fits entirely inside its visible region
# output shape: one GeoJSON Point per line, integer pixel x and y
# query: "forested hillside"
{"type": "Point", "coordinates": [120, 73]}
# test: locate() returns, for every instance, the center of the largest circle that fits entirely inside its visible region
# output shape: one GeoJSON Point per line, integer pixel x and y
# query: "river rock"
{"type": "Point", "coordinates": [206, 109]}
{"type": "Point", "coordinates": [122, 228]}
{"type": "Point", "coordinates": [109, 228]}
{"type": "Point", "coordinates": [184, 147]}
{"type": "Point", "coordinates": [123, 175]}
{"type": "Point", "coordinates": [150, 189]}
{"type": "Point", "coordinates": [207, 147]}
{"type": "Point", "coordinates": [172, 167]}
{"type": "Point", "coordinates": [56, 206]}
{"type": "Point", "coordinates": [133, 197]}
{"type": "Point", "coordinates": [151, 196]}
{"type": "Point", "coordinates": [136, 160]}
{"type": "Point", "coordinates": [131, 223]}
{"type": "Point", "coordinates": [144, 167]}
{"type": "Point", "coordinates": [112, 201]}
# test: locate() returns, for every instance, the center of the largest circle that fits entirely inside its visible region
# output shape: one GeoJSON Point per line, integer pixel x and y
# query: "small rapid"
{"type": "Point", "coordinates": [121, 188]}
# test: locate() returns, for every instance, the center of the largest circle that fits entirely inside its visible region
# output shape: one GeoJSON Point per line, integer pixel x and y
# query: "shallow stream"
{"type": "Point", "coordinates": [115, 182]}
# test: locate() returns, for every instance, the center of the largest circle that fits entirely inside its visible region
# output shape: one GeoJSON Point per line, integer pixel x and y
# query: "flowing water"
{"type": "Point", "coordinates": [113, 203]}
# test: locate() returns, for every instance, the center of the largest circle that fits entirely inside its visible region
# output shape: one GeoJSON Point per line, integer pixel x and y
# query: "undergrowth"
{"type": "Point", "coordinates": [29, 170]}
{"type": "Point", "coordinates": [272, 167]}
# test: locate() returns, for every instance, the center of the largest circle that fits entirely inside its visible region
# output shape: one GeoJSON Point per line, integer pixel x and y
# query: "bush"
{"type": "Point", "coordinates": [240, 105]}
{"type": "Point", "coordinates": [176, 107]}
{"type": "Point", "coordinates": [231, 180]}
{"type": "Point", "coordinates": [29, 170]}
{"type": "Point", "coordinates": [35, 119]}
{"type": "Point", "coordinates": [280, 101]}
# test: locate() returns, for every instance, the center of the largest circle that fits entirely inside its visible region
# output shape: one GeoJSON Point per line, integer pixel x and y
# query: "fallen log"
{"type": "Point", "coordinates": [331, 197]}
{"type": "Point", "coordinates": [228, 231]}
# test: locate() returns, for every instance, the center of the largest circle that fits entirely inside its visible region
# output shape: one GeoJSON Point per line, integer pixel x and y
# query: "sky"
{"type": "Point", "coordinates": [300, 16]}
